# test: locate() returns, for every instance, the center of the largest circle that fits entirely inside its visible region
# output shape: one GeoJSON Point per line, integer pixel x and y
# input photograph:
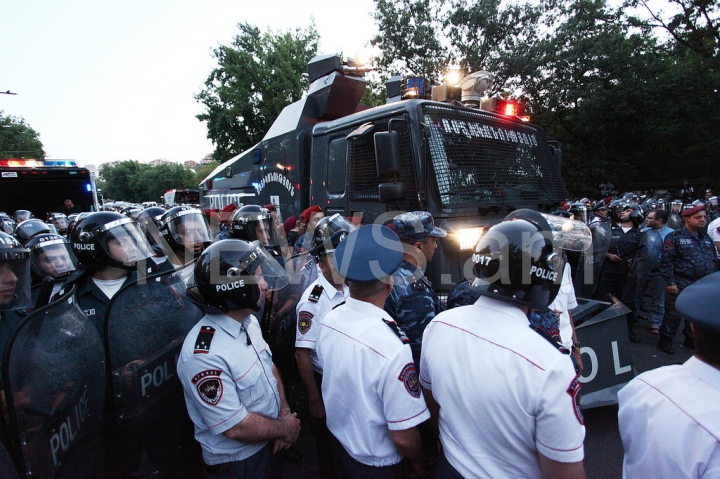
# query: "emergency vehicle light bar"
{"type": "Point", "coordinates": [21, 162]}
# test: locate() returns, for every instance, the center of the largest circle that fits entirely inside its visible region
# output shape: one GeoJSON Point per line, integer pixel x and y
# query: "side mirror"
{"type": "Point", "coordinates": [387, 153]}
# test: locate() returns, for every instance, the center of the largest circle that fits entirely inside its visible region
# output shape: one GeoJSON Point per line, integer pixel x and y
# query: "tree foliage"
{"type": "Point", "coordinates": [137, 182]}
{"type": "Point", "coordinates": [18, 139]}
{"type": "Point", "coordinates": [257, 76]}
{"type": "Point", "coordinates": [630, 104]}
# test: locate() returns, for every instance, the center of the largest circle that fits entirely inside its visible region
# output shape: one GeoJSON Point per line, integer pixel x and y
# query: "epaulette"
{"type": "Point", "coordinates": [315, 294]}
{"type": "Point", "coordinates": [204, 338]}
{"type": "Point", "coordinates": [338, 305]}
{"type": "Point", "coordinates": [396, 329]}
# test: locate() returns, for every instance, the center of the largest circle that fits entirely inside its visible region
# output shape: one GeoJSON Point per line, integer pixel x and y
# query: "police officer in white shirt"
{"type": "Point", "coordinates": [232, 390]}
{"type": "Point", "coordinates": [670, 417]}
{"type": "Point", "coordinates": [505, 398]}
{"type": "Point", "coordinates": [370, 386]}
{"type": "Point", "coordinates": [324, 294]}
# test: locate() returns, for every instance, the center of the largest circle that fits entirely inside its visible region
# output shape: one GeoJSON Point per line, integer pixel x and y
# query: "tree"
{"type": "Point", "coordinates": [137, 182]}
{"type": "Point", "coordinates": [18, 139]}
{"type": "Point", "coordinates": [627, 104]}
{"type": "Point", "coordinates": [257, 76]}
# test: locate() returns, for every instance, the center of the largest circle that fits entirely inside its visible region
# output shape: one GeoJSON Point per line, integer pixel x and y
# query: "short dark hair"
{"type": "Point", "coordinates": [707, 345]}
{"type": "Point", "coordinates": [365, 290]}
{"type": "Point", "coordinates": [661, 215]}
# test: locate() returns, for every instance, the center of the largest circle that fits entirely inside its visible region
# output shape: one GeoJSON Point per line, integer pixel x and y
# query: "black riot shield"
{"type": "Point", "coordinates": [646, 257]}
{"type": "Point", "coordinates": [54, 385]}
{"type": "Point", "coordinates": [586, 269]}
{"type": "Point", "coordinates": [145, 326]}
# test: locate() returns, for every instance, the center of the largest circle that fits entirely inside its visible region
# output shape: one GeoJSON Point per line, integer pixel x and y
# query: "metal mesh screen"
{"type": "Point", "coordinates": [363, 171]}
{"type": "Point", "coordinates": [480, 159]}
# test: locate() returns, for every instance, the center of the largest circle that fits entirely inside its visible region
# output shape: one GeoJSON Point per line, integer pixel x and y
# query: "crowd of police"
{"type": "Point", "coordinates": [160, 340]}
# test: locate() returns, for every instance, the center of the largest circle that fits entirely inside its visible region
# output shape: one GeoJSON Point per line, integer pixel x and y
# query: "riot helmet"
{"type": "Point", "coordinates": [580, 212]}
{"type": "Point", "coordinates": [7, 225]}
{"type": "Point", "coordinates": [60, 220]}
{"type": "Point", "coordinates": [152, 231]}
{"type": "Point", "coordinates": [661, 204]}
{"type": "Point", "coordinates": [713, 201]}
{"type": "Point", "coordinates": [234, 274]}
{"type": "Point", "coordinates": [185, 229]}
{"type": "Point", "coordinates": [29, 228]}
{"type": "Point", "coordinates": [252, 222]}
{"type": "Point", "coordinates": [131, 211]}
{"type": "Point", "coordinates": [676, 206]}
{"type": "Point", "coordinates": [50, 255]}
{"type": "Point", "coordinates": [615, 208]}
{"type": "Point", "coordinates": [636, 215]}
{"type": "Point", "coordinates": [515, 262]}
{"type": "Point", "coordinates": [105, 239]}
{"type": "Point", "coordinates": [22, 215]}
{"type": "Point", "coordinates": [328, 233]}
{"type": "Point", "coordinates": [14, 274]}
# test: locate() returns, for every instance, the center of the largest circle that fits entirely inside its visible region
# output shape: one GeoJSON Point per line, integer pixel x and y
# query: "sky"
{"type": "Point", "coordinates": [115, 80]}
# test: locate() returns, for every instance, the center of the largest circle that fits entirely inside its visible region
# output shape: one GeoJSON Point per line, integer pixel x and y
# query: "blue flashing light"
{"type": "Point", "coordinates": [88, 186]}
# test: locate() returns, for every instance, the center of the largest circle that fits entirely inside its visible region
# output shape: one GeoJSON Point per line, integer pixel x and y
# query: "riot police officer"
{"type": "Point", "coordinates": [255, 223]}
{"type": "Point", "coordinates": [149, 222]}
{"type": "Point", "coordinates": [232, 390]}
{"type": "Point", "coordinates": [60, 221]}
{"type": "Point", "coordinates": [50, 256]}
{"type": "Point", "coordinates": [616, 267]}
{"type": "Point", "coordinates": [30, 228]}
{"type": "Point", "coordinates": [108, 247]}
{"type": "Point", "coordinates": [14, 286]}
{"type": "Point", "coordinates": [186, 234]}
{"type": "Point", "coordinates": [530, 423]}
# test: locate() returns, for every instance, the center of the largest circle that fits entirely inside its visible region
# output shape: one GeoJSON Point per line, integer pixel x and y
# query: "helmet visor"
{"type": "Point", "coordinates": [191, 230]}
{"type": "Point", "coordinates": [60, 222]}
{"type": "Point", "coordinates": [14, 284]}
{"type": "Point", "coordinates": [53, 258]}
{"type": "Point", "coordinates": [264, 270]}
{"type": "Point", "coordinates": [124, 242]}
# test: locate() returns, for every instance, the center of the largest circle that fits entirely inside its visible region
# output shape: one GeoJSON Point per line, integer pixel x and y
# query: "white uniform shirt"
{"type": "Point", "coordinates": [369, 383]}
{"type": "Point", "coordinates": [714, 232]}
{"type": "Point", "coordinates": [564, 301]}
{"type": "Point", "coordinates": [670, 422]}
{"type": "Point", "coordinates": [311, 309]}
{"type": "Point", "coordinates": [224, 382]}
{"type": "Point", "coordinates": [505, 393]}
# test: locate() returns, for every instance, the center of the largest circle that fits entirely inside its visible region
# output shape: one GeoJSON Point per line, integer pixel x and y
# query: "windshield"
{"type": "Point", "coordinates": [482, 160]}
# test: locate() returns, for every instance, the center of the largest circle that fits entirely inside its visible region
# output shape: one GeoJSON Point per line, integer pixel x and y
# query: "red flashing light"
{"type": "Point", "coordinates": [507, 107]}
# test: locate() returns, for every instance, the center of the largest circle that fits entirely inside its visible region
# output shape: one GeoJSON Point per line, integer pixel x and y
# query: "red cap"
{"type": "Point", "coordinates": [305, 215]}
{"type": "Point", "coordinates": [692, 211]}
{"type": "Point", "coordinates": [270, 207]}
{"type": "Point", "coordinates": [225, 213]}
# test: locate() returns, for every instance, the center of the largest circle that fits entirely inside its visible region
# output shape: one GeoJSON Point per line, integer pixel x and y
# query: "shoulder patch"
{"type": "Point", "coordinates": [574, 390]}
{"type": "Point", "coordinates": [204, 338]}
{"type": "Point", "coordinates": [409, 378]}
{"type": "Point", "coordinates": [396, 329]}
{"type": "Point", "coordinates": [304, 321]}
{"type": "Point", "coordinates": [209, 386]}
{"type": "Point", "coordinates": [315, 294]}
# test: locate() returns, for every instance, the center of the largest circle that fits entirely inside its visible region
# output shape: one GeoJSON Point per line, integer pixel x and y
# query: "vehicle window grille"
{"type": "Point", "coordinates": [480, 159]}
{"type": "Point", "coordinates": [363, 171]}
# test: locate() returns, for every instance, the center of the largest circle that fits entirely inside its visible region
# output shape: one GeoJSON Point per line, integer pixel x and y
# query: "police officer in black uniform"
{"type": "Point", "coordinates": [689, 254]}
{"type": "Point", "coordinates": [108, 247]}
{"type": "Point", "coordinates": [624, 244]}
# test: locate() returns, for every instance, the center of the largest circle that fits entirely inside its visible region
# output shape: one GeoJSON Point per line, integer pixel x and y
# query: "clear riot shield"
{"type": "Point", "coordinates": [649, 250]}
{"type": "Point", "coordinates": [675, 221]}
{"type": "Point", "coordinates": [588, 265]}
{"type": "Point", "coordinates": [145, 326]}
{"type": "Point", "coordinates": [54, 385]}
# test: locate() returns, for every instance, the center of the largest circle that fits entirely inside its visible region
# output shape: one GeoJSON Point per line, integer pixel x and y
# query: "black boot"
{"type": "Point", "coordinates": [665, 345]}
{"type": "Point", "coordinates": [631, 334]}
